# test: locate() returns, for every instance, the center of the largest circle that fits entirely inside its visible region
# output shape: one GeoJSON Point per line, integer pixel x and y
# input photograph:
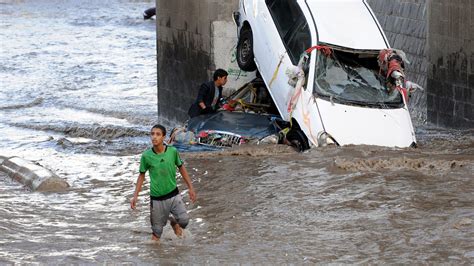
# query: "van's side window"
{"type": "Point", "coordinates": [298, 41]}
{"type": "Point", "coordinates": [291, 25]}
{"type": "Point", "coordinates": [284, 13]}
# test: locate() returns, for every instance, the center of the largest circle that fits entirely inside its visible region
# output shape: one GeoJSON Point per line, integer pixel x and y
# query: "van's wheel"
{"type": "Point", "coordinates": [297, 139]}
{"type": "Point", "coordinates": [245, 58]}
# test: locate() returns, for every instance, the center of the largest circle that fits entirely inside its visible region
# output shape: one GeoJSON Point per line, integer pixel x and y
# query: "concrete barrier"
{"type": "Point", "coordinates": [34, 176]}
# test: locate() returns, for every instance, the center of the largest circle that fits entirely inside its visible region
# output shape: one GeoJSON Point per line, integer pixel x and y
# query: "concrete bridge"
{"type": "Point", "coordinates": [196, 37]}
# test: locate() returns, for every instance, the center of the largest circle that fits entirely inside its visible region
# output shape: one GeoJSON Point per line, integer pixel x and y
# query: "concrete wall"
{"type": "Point", "coordinates": [451, 78]}
{"type": "Point", "coordinates": [405, 25]}
{"type": "Point", "coordinates": [193, 39]}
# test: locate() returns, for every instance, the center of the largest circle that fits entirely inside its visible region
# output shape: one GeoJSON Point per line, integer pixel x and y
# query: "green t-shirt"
{"type": "Point", "coordinates": [162, 167]}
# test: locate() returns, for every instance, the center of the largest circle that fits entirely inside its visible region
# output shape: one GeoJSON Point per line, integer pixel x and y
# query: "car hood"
{"type": "Point", "coordinates": [367, 126]}
{"type": "Point", "coordinates": [347, 23]}
{"type": "Point", "coordinates": [244, 124]}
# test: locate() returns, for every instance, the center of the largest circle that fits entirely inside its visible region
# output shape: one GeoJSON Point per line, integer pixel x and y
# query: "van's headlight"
{"type": "Point", "coordinates": [325, 139]}
{"type": "Point", "coordinates": [272, 139]}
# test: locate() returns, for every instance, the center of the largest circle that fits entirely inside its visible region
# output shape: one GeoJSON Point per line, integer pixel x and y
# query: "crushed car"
{"type": "Point", "coordinates": [329, 70]}
{"type": "Point", "coordinates": [247, 116]}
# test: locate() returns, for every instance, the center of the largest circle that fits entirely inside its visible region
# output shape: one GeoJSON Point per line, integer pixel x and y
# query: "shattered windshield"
{"type": "Point", "coordinates": [350, 78]}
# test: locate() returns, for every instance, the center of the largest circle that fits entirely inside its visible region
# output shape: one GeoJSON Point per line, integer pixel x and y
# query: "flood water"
{"type": "Point", "coordinates": [78, 96]}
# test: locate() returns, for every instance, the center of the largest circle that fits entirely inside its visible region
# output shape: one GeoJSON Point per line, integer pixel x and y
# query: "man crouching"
{"type": "Point", "coordinates": [161, 160]}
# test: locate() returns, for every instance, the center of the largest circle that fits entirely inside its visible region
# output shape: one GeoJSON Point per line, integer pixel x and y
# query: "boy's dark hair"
{"type": "Point", "coordinates": [220, 73]}
{"type": "Point", "coordinates": [160, 127]}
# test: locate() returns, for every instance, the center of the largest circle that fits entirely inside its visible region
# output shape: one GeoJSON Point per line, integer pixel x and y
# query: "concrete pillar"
{"type": "Point", "coordinates": [450, 99]}
{"type": "Point", "coordinates": [193, 39]}
{"type": "Point", "coordinates": [35, 177]}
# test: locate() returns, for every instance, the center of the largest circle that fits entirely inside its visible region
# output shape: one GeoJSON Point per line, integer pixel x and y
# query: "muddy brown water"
{"type": "Point", "coordinates": [78, 96]}
{"type": "Point", "coordinates": [260, 205]}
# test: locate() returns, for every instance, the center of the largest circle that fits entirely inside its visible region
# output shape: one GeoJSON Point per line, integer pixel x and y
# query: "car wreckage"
{"type": "Point", "coordinates": [322, 83]}
{"type": "Point", "coordinates": [329, 70]}
{"type": "Point", "coordinates": [248, 115]}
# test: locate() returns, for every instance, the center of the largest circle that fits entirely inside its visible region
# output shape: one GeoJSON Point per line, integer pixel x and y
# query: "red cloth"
{"type": "Point", "coordinates": [323, 48]}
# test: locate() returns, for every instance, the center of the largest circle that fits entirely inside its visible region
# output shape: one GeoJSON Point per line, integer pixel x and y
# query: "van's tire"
{"type": "Point", "coordinates": [297, 139]}
{"type": "Point", "coordinates": [245, 57]}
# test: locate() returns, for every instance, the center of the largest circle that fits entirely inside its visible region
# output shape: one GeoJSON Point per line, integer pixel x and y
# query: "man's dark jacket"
{"type": "Point", "coordinates": [206, 95]}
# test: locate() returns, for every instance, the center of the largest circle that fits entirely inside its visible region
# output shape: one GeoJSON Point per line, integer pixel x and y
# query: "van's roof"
{"type": "Point", "coordinates": [346, 23]}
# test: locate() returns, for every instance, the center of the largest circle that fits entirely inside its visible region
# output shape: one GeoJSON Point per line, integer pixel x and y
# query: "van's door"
{"type": "Point", "coordinates": [285, 34]}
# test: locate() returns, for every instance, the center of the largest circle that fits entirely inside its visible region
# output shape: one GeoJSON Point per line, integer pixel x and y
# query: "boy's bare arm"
{"type": "Point", "coordinates": [187, 180]}
{"type": "Point", "coordinates": [138, 188]}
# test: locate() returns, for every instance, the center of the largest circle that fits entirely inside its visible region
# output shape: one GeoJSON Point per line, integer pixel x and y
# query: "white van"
{"type": "Point", "coordinates": [318, 59]}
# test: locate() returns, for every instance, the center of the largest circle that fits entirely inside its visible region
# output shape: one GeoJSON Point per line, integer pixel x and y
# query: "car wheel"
{"type": "Point", "coordinates": [298, 140]}
{"type": "Point", "coordinates": [245, 57]}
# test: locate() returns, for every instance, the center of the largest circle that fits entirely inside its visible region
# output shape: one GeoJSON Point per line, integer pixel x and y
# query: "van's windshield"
{"type": "Point", "coordinates": [351, 78]}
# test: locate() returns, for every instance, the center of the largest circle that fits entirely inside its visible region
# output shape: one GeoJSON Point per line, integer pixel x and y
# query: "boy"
{"type": "Point", "coordinates": [161, 160]}
{"type": "Point", "coordinates": [209, 95]}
